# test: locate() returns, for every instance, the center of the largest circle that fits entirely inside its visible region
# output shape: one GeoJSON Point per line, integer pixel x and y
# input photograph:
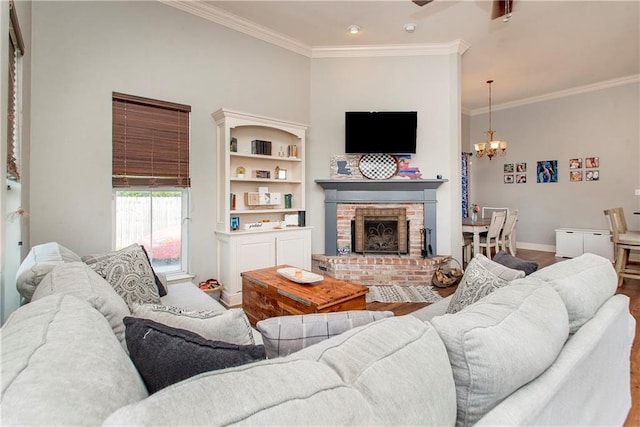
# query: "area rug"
{"type": "Point", "coordinates": [395, 293]}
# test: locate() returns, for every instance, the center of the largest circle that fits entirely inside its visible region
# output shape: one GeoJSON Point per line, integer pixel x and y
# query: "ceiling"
{"type": "Point", "coordinates": [546, 46]}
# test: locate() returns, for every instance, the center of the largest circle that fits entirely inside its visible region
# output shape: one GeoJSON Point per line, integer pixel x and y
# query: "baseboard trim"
{"type": "Point", "coordinates": [536, 247]}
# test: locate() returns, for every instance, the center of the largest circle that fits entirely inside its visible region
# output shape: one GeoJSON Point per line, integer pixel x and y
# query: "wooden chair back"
{"type": "Point", "coordinates": [510, 223]}
{"type": "Point", "coordinates": [497, 221]}
{"type": "Point", "coordinates": [488, 211]}
{"type": "Point", "coordinates": [617, 222]}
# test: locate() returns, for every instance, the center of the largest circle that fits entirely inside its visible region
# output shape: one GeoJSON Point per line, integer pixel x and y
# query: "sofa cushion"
{"type": "Point", "coordinates": [166, 355]}
{"type": "Point", "coordinates": [481, 277]}
{"type": "Point", "coordinates": [395, 371]}
{"type": "Point", "coordinates": [76, 278]}
{"type": "Point", "coordinates": [501, 343]}
{"type": "Point", "coordinates": [62, 365]}
{"type": "Point", "coordinates": [231, 326]}
{"type": "Point", "coordinates": [129, 272]}
{"type": "Point", "coordinates": [584, 284]}
{"type": "Point", "coordinates": [40, 260]}
{"type": "Point", "coordinates": [284, 335]}
{"type": "Point", "coordinates": [510, 261]}
{"type": "Point", "coordinates": [189, 297]}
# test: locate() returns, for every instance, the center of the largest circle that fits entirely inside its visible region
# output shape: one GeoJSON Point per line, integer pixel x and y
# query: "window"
{"type": "Point", "coordinates": [150, 177]}
{"type": "Point", "coordinates": [16, 50]}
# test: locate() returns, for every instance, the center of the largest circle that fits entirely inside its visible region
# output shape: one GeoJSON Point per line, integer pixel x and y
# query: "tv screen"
{"type": "Point", "coordinates": [391, 132]}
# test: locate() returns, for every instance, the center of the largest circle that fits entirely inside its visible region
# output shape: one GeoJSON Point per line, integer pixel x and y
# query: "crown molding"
{"type": "Point", "coordinates": [211, 13]}
{"type": "Point", "coordinates": [635, 78]}
{"type": "Point", "coordinates": [457, 46]}
{"type": "Point", "coordinates": [219, 16]}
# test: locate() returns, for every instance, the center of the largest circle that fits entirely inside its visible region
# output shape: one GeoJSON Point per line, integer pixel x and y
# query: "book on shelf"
{"type": "Point", "coordinates": [232, 201]}
{"type": "Point", "coordinates": [258, 146]}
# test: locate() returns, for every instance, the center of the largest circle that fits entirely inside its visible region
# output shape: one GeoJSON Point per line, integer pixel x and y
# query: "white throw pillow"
{"type": "Point", "coordinates": [231, 326]}
{"type": "Point", "coordinates": [500, 343]}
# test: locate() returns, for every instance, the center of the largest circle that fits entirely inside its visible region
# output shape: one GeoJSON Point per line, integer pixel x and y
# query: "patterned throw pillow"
{"type": "Point", "coordinates": [230, 326]}
{"type": "Point", "coordinates": [477, 282]}
{"type": "Point", "coordinates": [130, 274]}
{"type": "Point", "coordinates": [287, 334]}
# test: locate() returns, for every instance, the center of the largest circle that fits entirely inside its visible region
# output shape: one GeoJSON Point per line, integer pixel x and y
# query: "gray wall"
{"type": "Point", "coordinates": [602, 123]}
{"type": "Point", "coordinates": [426, 84]}
{"type": "Point", "coordinates": [85, 50]}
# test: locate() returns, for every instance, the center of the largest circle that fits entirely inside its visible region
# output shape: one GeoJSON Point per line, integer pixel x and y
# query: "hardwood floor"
{"type": "Point", "coordinates": [630, 287]}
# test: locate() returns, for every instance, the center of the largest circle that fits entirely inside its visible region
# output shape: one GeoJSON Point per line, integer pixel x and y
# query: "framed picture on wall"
{"type": "Point", "coordinates": [591, 162]}
{"type": "Point", "coordinates": [547, 171]}
{"type": "Point", "coordinates": [521, 178]}
{"type": "Point", "coordinates": [508, 179]}
{"type": "Point", "coordinates": [521, 167]}
{"type": "Point", "coordinates": [575, 176]}
{"type": "Point", "coordinates": [508, 168]}
{"type": "Point", "coordinates": [593, 175]}
{"type": "Point", "coordinates": [575, 163]}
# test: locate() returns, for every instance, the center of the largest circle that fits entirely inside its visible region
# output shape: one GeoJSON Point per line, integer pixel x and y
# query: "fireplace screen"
{"type": "Point", "coordinates": [381, 230]}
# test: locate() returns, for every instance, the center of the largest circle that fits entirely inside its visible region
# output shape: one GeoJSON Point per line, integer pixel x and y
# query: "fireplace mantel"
{"type": "Point", "coordinates": [380, 185]}
{"type": "Point", "coordinates": [380, 192]}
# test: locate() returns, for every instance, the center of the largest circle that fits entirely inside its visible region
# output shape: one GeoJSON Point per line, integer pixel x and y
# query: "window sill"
{"type": "Point", "coordinates": [178, 276]}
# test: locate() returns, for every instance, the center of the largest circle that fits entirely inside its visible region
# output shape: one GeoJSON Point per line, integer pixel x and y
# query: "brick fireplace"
{"type": "Point", "coordinates": [399, 211]}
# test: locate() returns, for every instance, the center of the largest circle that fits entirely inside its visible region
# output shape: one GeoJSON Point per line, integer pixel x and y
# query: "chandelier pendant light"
{"type": "Point", "coordinates": [491, 147]}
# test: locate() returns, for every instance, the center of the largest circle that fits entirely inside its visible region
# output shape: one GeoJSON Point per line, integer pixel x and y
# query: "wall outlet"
{"type": "Point", "coordinates": [637, 191]}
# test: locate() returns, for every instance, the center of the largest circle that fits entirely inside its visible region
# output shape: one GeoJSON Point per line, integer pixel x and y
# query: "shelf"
{"type": "Point", "coordinates": [281, 181]}
{"type": "Point", "coordinates": [262, 211]}
{"type": "Point", "coordinates": [265, 157]}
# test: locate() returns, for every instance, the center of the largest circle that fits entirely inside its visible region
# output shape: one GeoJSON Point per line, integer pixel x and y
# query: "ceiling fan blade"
{"type": "Point", "coordinates": [422, 3]}
{"type": "Point", "coordinates": [500, 8]}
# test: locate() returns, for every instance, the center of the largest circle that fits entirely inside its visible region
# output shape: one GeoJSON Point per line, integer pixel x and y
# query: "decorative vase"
{"type": "Point", "coordinates": [474, 216]}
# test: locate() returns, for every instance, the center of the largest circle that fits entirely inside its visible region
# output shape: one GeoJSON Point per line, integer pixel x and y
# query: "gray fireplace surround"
{"type": "Point", "coordinates": [377, 191]}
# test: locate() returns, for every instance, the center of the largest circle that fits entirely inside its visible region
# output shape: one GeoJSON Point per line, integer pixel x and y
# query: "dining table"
{"type": "Point", "coordinates": [477, 226]}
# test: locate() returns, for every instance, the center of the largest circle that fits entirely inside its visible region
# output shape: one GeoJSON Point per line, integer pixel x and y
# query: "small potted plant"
{"type": "Point", "coordinates": [211, 287]}
{"type": "Point", "coordinates": [475, 208]}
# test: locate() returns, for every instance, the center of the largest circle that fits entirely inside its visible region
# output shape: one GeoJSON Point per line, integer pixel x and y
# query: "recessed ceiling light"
{"type": "Point", "coordinates": [410, 28]}
{"type": "Point", "coordinates": [354, 29]}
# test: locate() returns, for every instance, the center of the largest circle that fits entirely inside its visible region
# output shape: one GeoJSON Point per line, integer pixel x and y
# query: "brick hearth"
{"type": "Point", "coordinates": [379, 269]}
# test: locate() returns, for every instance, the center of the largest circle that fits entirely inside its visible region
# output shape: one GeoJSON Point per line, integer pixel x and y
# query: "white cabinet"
{"type": "Point", "coordinates": [238, 252]}
{"type": "Point", "coordinates": [572, 242]}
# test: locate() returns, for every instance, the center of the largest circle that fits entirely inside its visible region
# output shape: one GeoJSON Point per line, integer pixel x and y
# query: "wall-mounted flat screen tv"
{"type": "Point", "coordinates": [391, 132]}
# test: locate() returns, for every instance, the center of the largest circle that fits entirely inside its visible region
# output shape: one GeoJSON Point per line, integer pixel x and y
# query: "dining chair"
{"type": "Point", "coordinates": [625, 241]}
{"type": "Point", "coordinates": [492, 239]}
{"type": "Point", "coordinates": [488, 210]}
{"type": "Point", "coordinates": [467, 245]}
{"type": "Point", "coordinates": [508, 236]}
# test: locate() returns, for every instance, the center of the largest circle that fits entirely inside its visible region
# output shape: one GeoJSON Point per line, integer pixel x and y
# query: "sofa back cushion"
{"type": "Point", "coordinates": [395, 371]}
{"type": "Point", "coordinates": [284, 335]}
{"type": "Point", "coordinates": [501, 343]}
{"type": "Point", "coordinates": [76, 278]}
{"type": "Point", "coordinates": [40, 260]}
{"type": "Point", "coordinates": [62, 365]}
{"type": "Point", "coordinates": [584, 283]}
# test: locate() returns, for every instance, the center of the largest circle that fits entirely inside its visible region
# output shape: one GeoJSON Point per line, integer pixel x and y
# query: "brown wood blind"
{"type": "Point", "coordinates": [150, 142]}
{"type": "Point", "coordinates": [16, 48]}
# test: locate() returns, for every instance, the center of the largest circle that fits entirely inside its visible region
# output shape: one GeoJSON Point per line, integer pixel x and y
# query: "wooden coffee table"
{"type": "Point", "coordinates": [267, 294]}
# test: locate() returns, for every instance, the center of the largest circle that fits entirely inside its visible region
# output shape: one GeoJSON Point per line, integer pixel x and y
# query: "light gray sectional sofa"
{"type": "Point", "coordinates": [548, 349]}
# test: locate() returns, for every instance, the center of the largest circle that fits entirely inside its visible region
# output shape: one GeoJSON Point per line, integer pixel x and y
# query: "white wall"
{"type": "Point", "coordinates": [602, 123]}
{"type": "Point", "coordinates": [426, 84]}
{"type": "Point", "coordinates": [82, 51]}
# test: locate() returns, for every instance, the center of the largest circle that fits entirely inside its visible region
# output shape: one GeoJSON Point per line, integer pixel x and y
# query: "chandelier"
{"type": "Point", "coordinates": [491, 147]}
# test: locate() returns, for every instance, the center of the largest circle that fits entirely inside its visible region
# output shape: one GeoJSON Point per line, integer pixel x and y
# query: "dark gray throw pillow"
{"type": "Point", "coordinates": [510, 261]}
{"type": "Point", "coordinates": [164, 355]}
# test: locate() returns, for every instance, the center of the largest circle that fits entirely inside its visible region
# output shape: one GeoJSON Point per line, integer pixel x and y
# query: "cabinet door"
{"type": "Point", "coordinates": [255, 252]}
{"type": "Point", "coordinates": [568, 244]}
{"type": "Point", "coordinates": [294, 249]}
{"type": "Point", "coordinates": [599, 244]}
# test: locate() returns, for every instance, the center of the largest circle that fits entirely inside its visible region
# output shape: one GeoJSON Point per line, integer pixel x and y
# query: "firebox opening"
{"type": "Point", "coordinates": [380, 230]}
{"type": "Point", "coordinates": [380, 240]}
